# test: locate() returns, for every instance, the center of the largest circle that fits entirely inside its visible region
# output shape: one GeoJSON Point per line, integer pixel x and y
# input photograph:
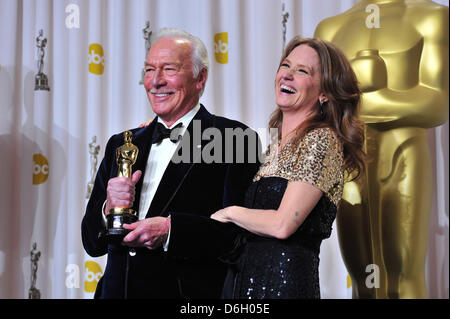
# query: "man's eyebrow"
{"type": "Point", "coordinates": [166, 63]}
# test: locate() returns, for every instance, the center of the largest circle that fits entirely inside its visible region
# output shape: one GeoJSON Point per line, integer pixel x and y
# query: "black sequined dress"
{"type": "Point", "coordinates": [274, 268]}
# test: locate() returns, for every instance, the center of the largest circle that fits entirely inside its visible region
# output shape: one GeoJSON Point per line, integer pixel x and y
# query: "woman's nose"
{"type": "Point", "coordinates": [288, 73]}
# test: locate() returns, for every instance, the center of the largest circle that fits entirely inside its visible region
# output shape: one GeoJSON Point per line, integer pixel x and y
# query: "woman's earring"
{"type": "Point", "coordinates": [321, 107]}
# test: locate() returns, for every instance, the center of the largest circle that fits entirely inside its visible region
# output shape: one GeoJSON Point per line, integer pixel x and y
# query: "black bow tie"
{"type": "Point", "coordinates": [161, 132]}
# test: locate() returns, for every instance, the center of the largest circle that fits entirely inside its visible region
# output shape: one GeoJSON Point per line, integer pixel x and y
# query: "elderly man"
{"type": "Point", "coordinates": [170, 195]}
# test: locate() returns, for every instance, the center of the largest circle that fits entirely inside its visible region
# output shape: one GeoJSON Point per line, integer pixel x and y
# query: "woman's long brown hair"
{"type": "Point", "coordinates": [341, 113]}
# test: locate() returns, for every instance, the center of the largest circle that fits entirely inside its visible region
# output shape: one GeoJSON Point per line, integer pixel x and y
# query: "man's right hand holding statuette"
{"type": "Point", "coordinates": [121, 191]}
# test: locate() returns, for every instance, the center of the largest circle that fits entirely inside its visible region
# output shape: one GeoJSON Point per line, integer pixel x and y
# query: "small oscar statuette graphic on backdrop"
{"type": "Point", "coordinates": [33, 292]}
{"type": "Point", "coordinates": [93, 152]}
{"type": "Point", "coordinates": [285, 16]}
{"type": "Point", "coordinates": [147, 33]}
{"type": "Point", "coordinates": [125, 157]}
{"type": "Point", "coordinates": [40, 79]}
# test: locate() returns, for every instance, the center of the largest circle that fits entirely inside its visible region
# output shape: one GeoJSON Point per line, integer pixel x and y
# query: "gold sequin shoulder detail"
{"type": "Point", "coordinates": [317, 159]}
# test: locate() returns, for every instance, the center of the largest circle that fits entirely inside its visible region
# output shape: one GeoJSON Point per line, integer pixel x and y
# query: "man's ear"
{"type": "Point", "coordinates": [201, 79]}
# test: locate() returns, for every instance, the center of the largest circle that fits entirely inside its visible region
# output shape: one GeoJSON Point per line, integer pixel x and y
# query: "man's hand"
{"type": "Point", "coordinates": [120, 191]}
{"type": "Point", "coordinates": [150, 232]}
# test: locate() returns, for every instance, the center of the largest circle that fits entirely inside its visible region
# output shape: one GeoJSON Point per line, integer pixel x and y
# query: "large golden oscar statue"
{"type": "Point", "coordinates": [401, 61]}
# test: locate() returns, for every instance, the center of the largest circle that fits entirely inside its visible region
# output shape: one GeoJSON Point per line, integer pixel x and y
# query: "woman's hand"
{"type": "Point", "coordinates": [145, 124]}
{"type": "Point", "coordinates": [222, 215]}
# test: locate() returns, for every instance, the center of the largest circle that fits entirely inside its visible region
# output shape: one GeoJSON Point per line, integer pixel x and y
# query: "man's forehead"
{"type": "Point", "coordinates": [175, 49]}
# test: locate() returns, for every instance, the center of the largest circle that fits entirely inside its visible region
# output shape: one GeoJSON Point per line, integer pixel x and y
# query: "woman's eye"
{"type": "Point", "coordinates": [303, 71]}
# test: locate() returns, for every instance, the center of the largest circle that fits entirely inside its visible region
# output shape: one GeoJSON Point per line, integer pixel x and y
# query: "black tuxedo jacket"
{"type": "Point", "coordinates": [188, 192]}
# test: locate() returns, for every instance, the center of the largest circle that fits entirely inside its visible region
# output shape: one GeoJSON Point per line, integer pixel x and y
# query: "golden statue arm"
{"type": "Point", "coordinates": [430, 107]}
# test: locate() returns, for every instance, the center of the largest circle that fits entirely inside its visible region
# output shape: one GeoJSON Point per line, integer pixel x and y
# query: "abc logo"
{"type": "Point", "coordinates": [96, 58]}
{"type": "Point", "coordinates": [92, 274]}
{"type": "Point", "coordinates": [221, 47]}
{"type": "Point", "coordinates": [40, 169]}
{"type": "Point", "coordinates": [349, 281]}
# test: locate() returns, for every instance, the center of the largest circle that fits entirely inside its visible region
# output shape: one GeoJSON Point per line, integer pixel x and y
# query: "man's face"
{"type": "Point", "coordinates": [170, 85]}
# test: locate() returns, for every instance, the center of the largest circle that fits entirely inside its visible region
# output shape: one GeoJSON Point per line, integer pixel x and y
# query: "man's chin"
{"type": "Point", "coordinates": [161, 109]}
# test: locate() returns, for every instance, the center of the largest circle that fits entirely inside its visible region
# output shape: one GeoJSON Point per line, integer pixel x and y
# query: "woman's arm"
{"type": "Point", "coordinates": [298, 201]}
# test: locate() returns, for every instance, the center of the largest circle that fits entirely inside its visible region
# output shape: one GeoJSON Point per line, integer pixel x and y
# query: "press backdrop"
{"type": "Point", "coordinates": [93, 59]}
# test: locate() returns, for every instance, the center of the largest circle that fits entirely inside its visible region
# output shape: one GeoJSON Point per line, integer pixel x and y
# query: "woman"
{"type": "Point", "coordinates": [292, 203]}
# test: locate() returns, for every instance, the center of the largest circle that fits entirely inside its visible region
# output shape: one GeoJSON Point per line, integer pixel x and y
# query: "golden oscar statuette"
{"type": "Point", "coordinates": [118, 216]}
{"type": "Point", "coordinates": [399, 52]}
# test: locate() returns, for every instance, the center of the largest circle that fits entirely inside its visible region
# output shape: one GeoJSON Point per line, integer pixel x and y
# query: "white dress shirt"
{"type": "Point", "coordinates": [158, 160]}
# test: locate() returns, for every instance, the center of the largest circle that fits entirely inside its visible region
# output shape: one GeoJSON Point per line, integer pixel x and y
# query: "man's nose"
{"type": "Point", "coordinates": [158, 78]}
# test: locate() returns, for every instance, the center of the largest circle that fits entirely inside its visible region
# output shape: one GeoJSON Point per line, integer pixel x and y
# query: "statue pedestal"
{"type": "Point", "coordinates": [41, 82]}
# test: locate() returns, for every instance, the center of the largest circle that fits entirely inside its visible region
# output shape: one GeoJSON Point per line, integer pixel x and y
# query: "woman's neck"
{"type": "Point", "coordinates": [290, 122]}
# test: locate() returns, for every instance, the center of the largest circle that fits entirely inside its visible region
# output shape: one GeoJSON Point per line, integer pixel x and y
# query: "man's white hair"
{"type": "Point", "coordinates": [200, 59]}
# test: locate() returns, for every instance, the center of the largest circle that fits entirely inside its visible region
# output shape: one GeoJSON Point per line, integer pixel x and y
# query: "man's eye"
{"type": "Point", "coordinates": [170, 70]}
{"type": "Point", "coordinates": [147, 70]}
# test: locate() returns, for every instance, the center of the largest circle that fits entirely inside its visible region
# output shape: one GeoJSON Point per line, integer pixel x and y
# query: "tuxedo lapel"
{"type": "Point", "coordinates": [176, 171]}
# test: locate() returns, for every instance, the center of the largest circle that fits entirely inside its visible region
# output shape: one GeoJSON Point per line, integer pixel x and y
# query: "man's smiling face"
{"type": "Point", "coordinates": [169, 82]}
